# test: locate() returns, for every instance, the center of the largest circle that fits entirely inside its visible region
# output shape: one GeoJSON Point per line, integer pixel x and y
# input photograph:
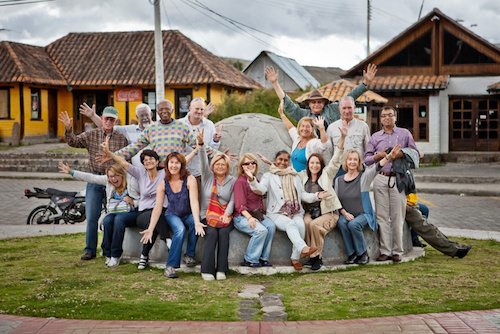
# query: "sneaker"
{"type": "Point", "coordinates": [107, 260]}
{"type": "Point", "coordinates": [462, 251]}
{"type": "Point", "coordinates": [220, 276]}
{"type": "Point", "coordinates": [362, 259]}
{"type": "Point", "coordinates": [143, 262]}
{"type": "Point", "coordinates": [114, 261]}
{"type": "Point", "coordinates": [170, 272]}
{"type": "Point", "coordinates": [265, 263]}
{"type": "Point", "coordinates": [208, 277]}
{"type": "Point", "coordinates": [245, 263]}
{"type": "Point", "coordinates": [87, 256]}
{"type": "Point", "coordinates": [351, 259]}
{"type": "Point", "coordinates": [317, 264]}
{"type": "Point", "coordinates": [189, 261]}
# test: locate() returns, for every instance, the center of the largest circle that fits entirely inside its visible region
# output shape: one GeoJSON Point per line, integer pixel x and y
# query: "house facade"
{"type": "Point", "coordinates": [443, 80]}
{"type": "Point", "coordinates": [115, 68]}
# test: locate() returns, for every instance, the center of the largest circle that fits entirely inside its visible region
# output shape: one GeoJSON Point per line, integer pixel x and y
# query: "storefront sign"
{"type": "Point", "coordinates": [129, 94]}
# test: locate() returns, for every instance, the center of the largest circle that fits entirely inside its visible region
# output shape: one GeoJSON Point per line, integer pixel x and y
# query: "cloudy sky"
{"type": "Point", "coordinates": [313, 32]}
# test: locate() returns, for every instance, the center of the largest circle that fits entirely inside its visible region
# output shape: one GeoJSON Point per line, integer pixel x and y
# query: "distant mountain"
{"type": "Point", "coordinates": [325, 74]}
{"type": "Point", "coordinates": [240, 64]}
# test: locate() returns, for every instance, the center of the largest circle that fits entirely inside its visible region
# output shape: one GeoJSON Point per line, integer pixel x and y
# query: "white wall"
{"type": "Point", "coordinates": [439, 110]}
{"type": "Point", "coordinates": [256, 72]}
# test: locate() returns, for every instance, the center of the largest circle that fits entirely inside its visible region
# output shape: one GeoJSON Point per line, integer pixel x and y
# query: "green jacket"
{"type": "Point", "coordinates": [330, 112]}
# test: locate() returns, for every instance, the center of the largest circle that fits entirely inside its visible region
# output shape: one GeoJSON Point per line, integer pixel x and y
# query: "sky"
{"type": "Point", "coordinates": [327, 33]}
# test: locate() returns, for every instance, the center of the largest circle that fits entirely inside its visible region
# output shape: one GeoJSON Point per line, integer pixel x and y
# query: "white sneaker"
{"type": "Point", "coordinates": [143, 262]}
{"type": "Point", "coordinates": [114, 261]}
{"type": "Point", "coordinates": [208, 277]}
{"type": "Point", "coordinates": [107, 260]}
{"type": "Point", "coordinates": [221, 276]}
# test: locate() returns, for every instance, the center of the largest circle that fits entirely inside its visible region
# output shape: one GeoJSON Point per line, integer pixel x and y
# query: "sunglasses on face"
{"type": "Point", "coordinates": [249, 163]}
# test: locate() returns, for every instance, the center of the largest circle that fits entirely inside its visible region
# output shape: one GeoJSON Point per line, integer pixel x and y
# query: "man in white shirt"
{"type": "Point", "coordinates": [196, 120]}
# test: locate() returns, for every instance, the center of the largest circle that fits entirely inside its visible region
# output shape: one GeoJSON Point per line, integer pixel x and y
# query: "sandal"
{"type": "Point", "coordinates": [297, 265]}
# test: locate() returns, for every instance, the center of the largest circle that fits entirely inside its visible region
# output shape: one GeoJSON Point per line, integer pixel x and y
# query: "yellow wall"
{"type": "Point", "coordinates": [36, 128]}
{"type": "Point", "coordinates": [6, 124]}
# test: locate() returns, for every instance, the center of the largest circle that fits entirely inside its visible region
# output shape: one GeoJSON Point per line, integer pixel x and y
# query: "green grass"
{"type": "Point", "coordinates": [68, 150]}
{"type": "Point", "coordinates": [44, 277]}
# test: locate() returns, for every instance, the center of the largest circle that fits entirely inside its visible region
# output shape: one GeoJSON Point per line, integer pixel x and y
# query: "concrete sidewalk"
{"type": "Point", "coordinates": [455, 322]}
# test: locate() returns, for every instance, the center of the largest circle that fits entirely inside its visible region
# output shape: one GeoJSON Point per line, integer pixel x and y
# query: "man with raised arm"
{"type": "Point", "coordinates": [318, 104]}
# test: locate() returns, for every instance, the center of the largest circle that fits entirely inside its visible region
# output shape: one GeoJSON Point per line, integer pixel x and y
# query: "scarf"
{"type": "Point", "coordinates": [292, 205]}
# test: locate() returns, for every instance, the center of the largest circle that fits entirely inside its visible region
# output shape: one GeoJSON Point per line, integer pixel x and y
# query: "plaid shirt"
{"type": "Point", "coordinates": [92, 140]}
{"type": "Point", "coordinates": [164, 139]}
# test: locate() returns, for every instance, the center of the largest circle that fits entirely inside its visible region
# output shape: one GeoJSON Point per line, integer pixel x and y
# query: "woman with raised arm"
{"type": "Point", "coordinates": [304, 141]}
{"type": "Point", "coordinates": [122, 195]}
{"type": "Point", "coordinates": [284, 196]}
{"type": "Point", "coordinates": [357, 211]}
{"type": "Point", "coordinates": [182, 214]}
{"type": "Point", "coordinates": [216, 212]}
{"type": "Point", "coordinates": [250, 216]}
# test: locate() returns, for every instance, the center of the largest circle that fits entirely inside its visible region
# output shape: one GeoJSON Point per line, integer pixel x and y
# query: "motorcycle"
{"type": "Point", "coordinates": [66, 206]}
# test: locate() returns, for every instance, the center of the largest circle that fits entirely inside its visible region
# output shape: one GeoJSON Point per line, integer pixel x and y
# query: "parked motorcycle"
{"type": "Point", "coordinates": [66, 206]}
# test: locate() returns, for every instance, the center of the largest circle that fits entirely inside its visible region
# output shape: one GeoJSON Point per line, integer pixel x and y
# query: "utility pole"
{"type": "Point", "coordinates": [368, 18]}
{"type": "Point", "coordinates": [160, 82]}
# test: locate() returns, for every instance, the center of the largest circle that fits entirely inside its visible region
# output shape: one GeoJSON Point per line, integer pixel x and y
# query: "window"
{"type": "Point", "coordinates": [456, 51]}
{"type": "Point", "coordinates": [149, 97]}
{"type": "Point", "coordinates": [4, 103]}
{"type": "Point", "coordinates": [418, 53]}
{"type": "Point", "coordinates": [36, 113]}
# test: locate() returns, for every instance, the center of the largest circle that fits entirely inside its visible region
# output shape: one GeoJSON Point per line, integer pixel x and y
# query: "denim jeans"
{"type": "Point", "coordinates": [114, 231]}
{"type": "Point", "coordinates": [94, 196]}
{"type": "Point", "coordinates": [352, 234]}
{"type": "Point", "coordinates": [261, 238]}
{"type": "Point", "coordinates": [178, 225]}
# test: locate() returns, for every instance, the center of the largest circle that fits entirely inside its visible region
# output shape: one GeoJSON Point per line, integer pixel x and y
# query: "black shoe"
{"type": "Point", "coordinates": [351, 259]}
{"type": "Point", "coordinates": [462, 251]}
{"type": "Point", "coordinates": [265, 263]}
{"type": "Point", "coordinates": [245, 263]}
{"type": "Point", "coordinates": [317, 264]}
{"type": "Point", "coordinates": [310, 261]}
{"type": "Point", "coordinates": [87, 256]}
{"type": "Point", "coordinates": [362, 259]}
{"type": "Point", "coordinates": [418, 243]}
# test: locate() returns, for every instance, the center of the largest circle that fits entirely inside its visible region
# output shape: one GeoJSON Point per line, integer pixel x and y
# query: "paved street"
{"type": "Point", "coordinates": [452, 211]}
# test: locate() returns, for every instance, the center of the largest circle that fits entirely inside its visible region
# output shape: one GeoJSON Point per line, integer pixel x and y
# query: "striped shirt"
{"type": "Point", "coordinates": [164, 139]}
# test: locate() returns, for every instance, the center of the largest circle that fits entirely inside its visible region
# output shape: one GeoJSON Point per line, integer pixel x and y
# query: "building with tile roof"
{"type": "Point", "coordinates": [105, 68]}
{"type": "Point", "coordinates": [443, 79]}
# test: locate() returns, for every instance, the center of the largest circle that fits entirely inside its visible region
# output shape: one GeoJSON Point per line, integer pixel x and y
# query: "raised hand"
{"type": "Point", "coordinates": [281, 108]}
{"type": "Point", "coordinates": [66, 120]}
{"type": "Point", "coordinates": [210, 108]}
{"type": "Point", "coordinates": [105, 145]}
{"type": "Point", "coordinates": [264, 159]}
{"type": "Point", "coordinates": [64, 167]}
{"type": "Point", "coordinates": [344, 128]}
{"type": "Point", "coordinates": [86, 110]}
{"type": "Point", "coordinates": [232, 156]}
{"type": "Point", "coordinates": [271, 74]}
{"type": "Point", "coordinates": [319, 122]}
{"type": "Point", "coordinates": [200, 141]}
{"type": "Point", "coordinates": [218, 133]}
{"type": "Point", "coordinates": [369, 74]}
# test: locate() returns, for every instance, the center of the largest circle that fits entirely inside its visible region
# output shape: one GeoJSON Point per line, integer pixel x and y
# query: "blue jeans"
{"type": "Point", "coordinates": [114, 231]}
{"type": "Point", "coordinates": [352, 234]}
{"type": "Point", "coordinates": [178, 225]}
{"type": "Point", "coordinates": [94, 196]}
{"type": "Point", "coordinates": [261, 238]}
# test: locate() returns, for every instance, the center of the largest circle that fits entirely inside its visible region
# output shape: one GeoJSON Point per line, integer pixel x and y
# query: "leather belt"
{"type": "Point", "coordinates": [387, 174]}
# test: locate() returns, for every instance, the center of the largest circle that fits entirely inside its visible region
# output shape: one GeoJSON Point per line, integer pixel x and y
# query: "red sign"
{"type": "Point", "coordinates": [129, 94]}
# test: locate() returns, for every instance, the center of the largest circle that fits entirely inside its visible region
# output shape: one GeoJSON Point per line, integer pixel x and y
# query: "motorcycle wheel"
{"type": "Point", "coordinates": [40, 212]}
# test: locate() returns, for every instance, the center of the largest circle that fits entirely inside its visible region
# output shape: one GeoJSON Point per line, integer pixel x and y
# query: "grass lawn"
{"type": "Point", "coordinates": [44, 277]}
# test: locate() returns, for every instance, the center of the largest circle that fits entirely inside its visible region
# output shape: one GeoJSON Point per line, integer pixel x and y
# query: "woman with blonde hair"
{"type": "Point", "coordinates": [250, 216]}
{"type": "Point", "coordinates": [217, 206]}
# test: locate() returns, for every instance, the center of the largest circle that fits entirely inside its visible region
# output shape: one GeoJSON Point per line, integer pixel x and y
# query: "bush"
{"type": "Point", "coordinates": [262, 101]}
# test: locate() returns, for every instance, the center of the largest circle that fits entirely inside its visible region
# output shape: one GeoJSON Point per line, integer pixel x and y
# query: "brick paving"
{"type": "Point", "coordinates": [453, 322]}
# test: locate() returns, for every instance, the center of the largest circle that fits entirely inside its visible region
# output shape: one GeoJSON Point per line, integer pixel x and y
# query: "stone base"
{"type": "Point", "coordinates": [333, 253]}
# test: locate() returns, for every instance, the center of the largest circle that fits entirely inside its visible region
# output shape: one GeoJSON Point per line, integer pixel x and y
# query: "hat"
{"type": "Point", "coordinates": [316, 95]}
{"type": "Point", "coordinates": [110, 112]}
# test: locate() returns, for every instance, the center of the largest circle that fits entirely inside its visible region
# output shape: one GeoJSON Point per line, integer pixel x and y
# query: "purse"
{"type": "Point", "coordinates": [117, 206]}
{"type": "Point", "coordinates": [257, 214]}
{"type": "Point", "coordinates": [215, 210]}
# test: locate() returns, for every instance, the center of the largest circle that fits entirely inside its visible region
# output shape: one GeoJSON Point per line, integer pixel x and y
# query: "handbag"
{"type": "Point", "coordinates": [117, 206]}
{"type": "Point", "coordinates": [215, 210]}
{"type": "Point", "coordinates": [257, 214]}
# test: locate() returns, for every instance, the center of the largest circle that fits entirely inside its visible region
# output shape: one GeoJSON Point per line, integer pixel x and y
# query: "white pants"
{"type": "Point", "coordinates": [295, 230]}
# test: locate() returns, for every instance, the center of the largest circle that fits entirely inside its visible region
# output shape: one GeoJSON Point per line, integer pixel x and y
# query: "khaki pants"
{"type": "Point", "coordinates": [316, 230]}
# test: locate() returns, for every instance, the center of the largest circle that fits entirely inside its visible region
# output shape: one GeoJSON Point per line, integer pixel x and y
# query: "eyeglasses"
{"type": "Point", "coordinates": [109, 119]}
{"type": "Point", "coordinates": [249, 163]}
{"type": "Point", "coordinates": [386, 115]}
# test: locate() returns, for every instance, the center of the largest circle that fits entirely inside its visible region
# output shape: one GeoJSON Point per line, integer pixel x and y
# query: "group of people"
{"type": "Point", "coordinates": [169, 179]}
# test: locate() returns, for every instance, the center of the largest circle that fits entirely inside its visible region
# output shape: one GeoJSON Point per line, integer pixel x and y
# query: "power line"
{"type": "Point", "coordinates": [166, 15]}
{"type": "Point", "coordinates": [19, 2]}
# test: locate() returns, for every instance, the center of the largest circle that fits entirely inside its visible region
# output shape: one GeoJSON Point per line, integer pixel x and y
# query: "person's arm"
{"type": "Point", "coordinates": [90, 113]}
{"type": "Point", "coordinates": [129, 151]}
{"type": "Point", "coordinates": [213, 136]}
{"type": "Point", "coordinates": [147, 234]}
{"type": "Point", "coordinates": [272, 75]}
{"type": "Point", "coordinates": [257, 187]}
{"type": "Point", "coordinates": [90, 178]}
{"type": "Point", "coordinates": [371, 171]}
{"type": "Point", "coordinates": [283, 117]}
{"type": "Point", "coordinates": [371, 154]}
{"type": "Point", "coordinates": [195, 205]}
{"type": "Point", "coordinates": [116, 158]}
{"type": "Point", "coordinates": [80, 141]}
{"type": "Point", "coordinates": [319, 122]}
{"type": "Point", "coordinates": [368, 77]}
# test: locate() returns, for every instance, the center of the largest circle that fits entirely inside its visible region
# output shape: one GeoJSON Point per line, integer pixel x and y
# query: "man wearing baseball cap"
{"type": "Point", "coordinates": [95, 193]}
